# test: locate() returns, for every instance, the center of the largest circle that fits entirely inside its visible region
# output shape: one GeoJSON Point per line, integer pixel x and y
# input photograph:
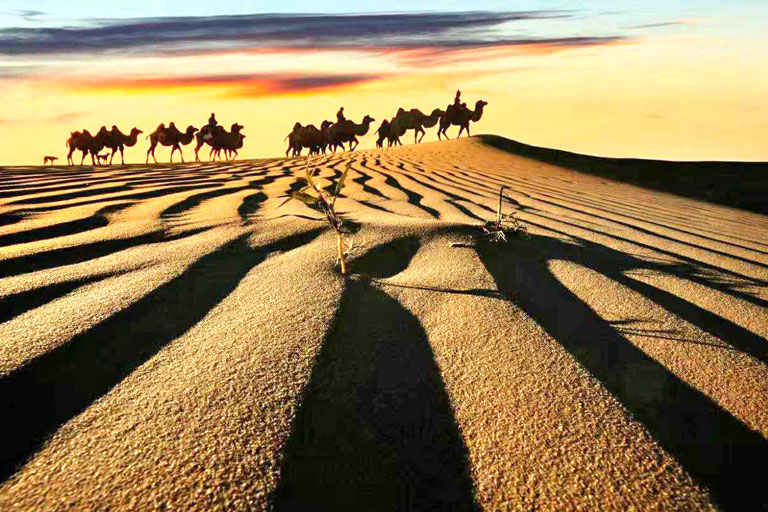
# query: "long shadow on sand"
{"type": "Point", "coordinates": [17, 304]}
{"type": "Point", "coordinates": [375, 430]}
{"type": "Point", "coordinates": [85, 252]}
{"type": "Point", "coordinates": [97, 220]}
{"type": "Point", "coordinates": [714, 447]}
{"type": "Point", "coordinates": [46, 393]}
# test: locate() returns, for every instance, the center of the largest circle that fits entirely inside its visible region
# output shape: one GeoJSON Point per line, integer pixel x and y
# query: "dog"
{"type": "Point", "coordinates": [49, 160]}
{"type": "Point", "coordinates": [103, 158]}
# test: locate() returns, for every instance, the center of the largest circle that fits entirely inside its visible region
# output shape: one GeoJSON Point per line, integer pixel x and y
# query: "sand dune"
{"type": "Point", "coordinates": [170, 336]}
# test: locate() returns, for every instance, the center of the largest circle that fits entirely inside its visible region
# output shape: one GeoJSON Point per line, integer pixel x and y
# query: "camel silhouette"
{"type": "Point", "coordinates": [170, 136]}
{"type": "Point", "coordinates": [117, 141]}
{"type": "Point", "coordinates": [460, 116]}
{"type": "Point", "coordinates": [347, 132]}
{"type": "Point", "coordinates": [219, 139]}
{"type": "Point", "coordinates": [391, 131]}
{"type": "Point", "coordinates": [309, 136]}
{"type": "Point", "coordinates": [86, 144]}
{"type": "Point", "coordinates": [416, 120]}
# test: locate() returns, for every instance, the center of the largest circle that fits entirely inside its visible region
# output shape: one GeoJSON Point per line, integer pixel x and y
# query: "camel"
{"type": "Point", "coordinates": [49, 160]}
{"type": "Point", "coordinates": [117, 140]}
{"type": "Point", "coordinates": [348, 131]}
{"type": "Point", "coordinates": [316, 140]}
{"type": "Point", "coordinates": [230, 146]}
{"type": "Point", "coordinates": [416, 120]}
{"type": "Point", "coordinates": [383, 133]}
{"type": "Point", "coordinates": [328, 140]}
{"type": "Point", "coordinates": [85, 143]}
{"type": "Point", "coordinates": [390, 130]}
{"type": "Point", "coordinates": [460, 116]}
{"type": "Point", "coordinates": [220, 139]}
{"type": "Point", "coordinates": [170, 136]}
{"type": "Point", "coordinates": [292, 139]}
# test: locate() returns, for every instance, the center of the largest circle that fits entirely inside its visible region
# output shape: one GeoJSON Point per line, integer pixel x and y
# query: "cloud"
{"type": "Point", "coordinates": [233, 85]}
{"type": "Point", "coordinates": [660, 24]}
{"type": "Point", "coordinates": [153, 35]}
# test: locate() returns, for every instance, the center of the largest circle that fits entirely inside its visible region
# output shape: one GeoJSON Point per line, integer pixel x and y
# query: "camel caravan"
{"type": "Point", "coordinates": [331, 135]}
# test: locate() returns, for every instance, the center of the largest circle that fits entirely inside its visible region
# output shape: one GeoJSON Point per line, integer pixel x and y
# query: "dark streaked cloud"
{"type": "Point", "coordinates": [153, 35]}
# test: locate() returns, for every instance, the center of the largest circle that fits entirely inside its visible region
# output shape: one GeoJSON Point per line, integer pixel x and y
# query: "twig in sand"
{"type": "Point", "coordinates": [501, 229]}
{"type": "Point", "coordinates": [504, 226]}
{"type": "Point", "coordinates": [325, 203]}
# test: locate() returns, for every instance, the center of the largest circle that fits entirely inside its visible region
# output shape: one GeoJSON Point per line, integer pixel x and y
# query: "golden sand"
{"type": "Point", "coordinates": [171, 339]}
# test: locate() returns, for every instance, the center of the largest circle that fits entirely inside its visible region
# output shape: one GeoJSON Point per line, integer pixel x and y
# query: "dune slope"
{"type": "Point", "coordinates": [173, 336]}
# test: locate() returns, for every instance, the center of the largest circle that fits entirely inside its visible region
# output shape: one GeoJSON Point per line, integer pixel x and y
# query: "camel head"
{"type": "Point", "coordinates": [325, 124]}
{"type": "Point", "coordinates": [480, 104]}
{"type": "Point", "coordinates": [237, 127]}
{"type": "Point", "coordinates": [135, 131]}
{"type": "Point", "coordinates": [368, 119]}
{"type": "Point", "coordinates": [190, 130]}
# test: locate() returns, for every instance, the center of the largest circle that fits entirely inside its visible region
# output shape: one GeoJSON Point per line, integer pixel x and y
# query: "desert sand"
{"type": "Point", "coordinates": [171, 337]}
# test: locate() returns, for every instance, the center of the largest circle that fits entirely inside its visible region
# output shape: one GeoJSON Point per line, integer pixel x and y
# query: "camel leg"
{"type": "Point", "coordinates": [423, 133]}
{"type": "Point", "coordinates": [461, 129]}
{"type": "Point", "coordinates": [122, 155]}
{"type": "Point", "coordinates": [468, 135]}
{"type": "Point", "coordinates": [114, 150]}
{"type": "Point", "coordinates": [197, 149]}
{"type": "Point", "coordinates": [181, 152]}
{"type": "Point", "coordinates": [82, 158]}
{"type": "Point", "coordinates": [173, 150]}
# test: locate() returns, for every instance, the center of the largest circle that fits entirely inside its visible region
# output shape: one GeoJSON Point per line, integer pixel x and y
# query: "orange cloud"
{"type": "Point", "coordinates": [236, 85]}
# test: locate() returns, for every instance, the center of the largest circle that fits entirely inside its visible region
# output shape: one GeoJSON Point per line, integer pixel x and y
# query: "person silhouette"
{"type": "Point", "coordinates": [340, 115]}
{"type": "Point", "coordinates": [212, 122]}
{"type": "Point", "coordinates": [457, 99]}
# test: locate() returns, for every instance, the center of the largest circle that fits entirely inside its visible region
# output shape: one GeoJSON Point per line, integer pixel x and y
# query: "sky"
{"type": "Point", "coordinates": [651, 79]}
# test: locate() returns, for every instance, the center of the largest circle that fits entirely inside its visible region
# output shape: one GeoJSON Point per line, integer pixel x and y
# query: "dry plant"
{"type": "Point", "coordinates": [504, 226]}
{"type": "Point", "coordinates": [325, 202]}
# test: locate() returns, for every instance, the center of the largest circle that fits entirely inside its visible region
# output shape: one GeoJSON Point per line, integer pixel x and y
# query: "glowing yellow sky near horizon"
{"type": "Point", "coordinates": [653, 98]}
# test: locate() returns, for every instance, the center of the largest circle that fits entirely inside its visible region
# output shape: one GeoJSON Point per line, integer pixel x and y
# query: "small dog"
{"type": "Point", "coordinates": [49, 160]}
{"type": "Point", "coordinates": [103, 158]}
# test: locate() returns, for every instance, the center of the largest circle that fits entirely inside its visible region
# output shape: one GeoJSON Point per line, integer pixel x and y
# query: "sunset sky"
{"type": "Point", "coordinates": [659, 79]}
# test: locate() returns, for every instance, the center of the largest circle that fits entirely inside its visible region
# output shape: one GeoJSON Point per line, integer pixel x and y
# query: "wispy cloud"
{"type": "Point", "coordinates": [151, 35]}
{"type": "Point", "coordinates": [661, 24]}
